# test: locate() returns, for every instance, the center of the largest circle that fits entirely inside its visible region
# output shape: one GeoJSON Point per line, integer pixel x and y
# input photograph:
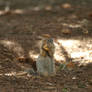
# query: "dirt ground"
{"type": "Point", "coordinates": [21, 31]}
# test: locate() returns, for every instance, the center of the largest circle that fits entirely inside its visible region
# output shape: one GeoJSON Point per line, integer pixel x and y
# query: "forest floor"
{"type": "Point", "coordinates": [21, 30]}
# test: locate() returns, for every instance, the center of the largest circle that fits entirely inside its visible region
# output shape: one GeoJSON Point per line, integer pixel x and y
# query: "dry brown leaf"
{"type": "Point", "coordinates": [66, 31]}
{"type": "Point", "coordinates": [48, 8]}
{"type": "Point", "coordinates": [70, 65]}
{"type": "Point", "coordinates": [66, 5]}
{"type": "Point", "coordinates": [90, 14]}
{"type": "Point", "coordinates": [85, 32]}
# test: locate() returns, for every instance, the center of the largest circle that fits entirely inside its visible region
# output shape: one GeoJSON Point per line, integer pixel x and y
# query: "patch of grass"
{"type": "Point", "coordinates": [64, 90]}
{"type": "Point", "coordinates": [81, 85]}
{"type": "Point", "coordinates": [62, 66]}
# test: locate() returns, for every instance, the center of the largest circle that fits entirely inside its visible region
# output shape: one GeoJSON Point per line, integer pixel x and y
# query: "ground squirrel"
{"type": "Point", "coordinates": [45, 63]}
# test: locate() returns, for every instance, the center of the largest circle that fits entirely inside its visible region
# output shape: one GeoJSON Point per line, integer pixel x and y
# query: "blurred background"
{"type": "Point", "coordinates": [41, 3]}
{"type": "Point", "coordinates": [22, 25]}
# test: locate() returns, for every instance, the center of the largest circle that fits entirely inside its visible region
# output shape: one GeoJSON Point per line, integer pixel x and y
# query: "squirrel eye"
{"type": "Point", "coordinates": [50, 40]}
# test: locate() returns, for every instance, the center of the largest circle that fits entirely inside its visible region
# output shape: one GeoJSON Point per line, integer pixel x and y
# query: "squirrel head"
{"type": "Point", "coordinates": [48, 38]}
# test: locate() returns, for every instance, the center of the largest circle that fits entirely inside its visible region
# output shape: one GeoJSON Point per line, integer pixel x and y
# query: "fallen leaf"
{"type": "Point", "coordinates": [66, 5]}
{"type": "Point", "coordinates": [66, 31]}
{"type": "Point", "coordinates": [70, 65]}
{"type": "Point", "coordinates": [48, 8]}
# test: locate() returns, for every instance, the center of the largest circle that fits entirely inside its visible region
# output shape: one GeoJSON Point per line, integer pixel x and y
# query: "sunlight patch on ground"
{"type": "Point", "coordinates": [72, 25]}
{"type": "Point", "coordinates": [74, 49]}
{"type": "Point", "coordinates": [32, 55]}
{"type": "Point", "coordinates": [8, 11]}
{"type": "Point", "coordinates": [78, 50]}
{"type": "Point", "coordinates": [67, 44]}
{"type": "Point", "coordinates": [9, 74]}
{"type": "Point", "coordinates": [16, 74]}
{"type": "Point", "coordinates": [13, 46]}
{"type": "Point", "coordinates": [86, 55]}
{"type": "Point", "coordinates": [7, 42]}
{"type": "Point", "coordinates": [58, 55]}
